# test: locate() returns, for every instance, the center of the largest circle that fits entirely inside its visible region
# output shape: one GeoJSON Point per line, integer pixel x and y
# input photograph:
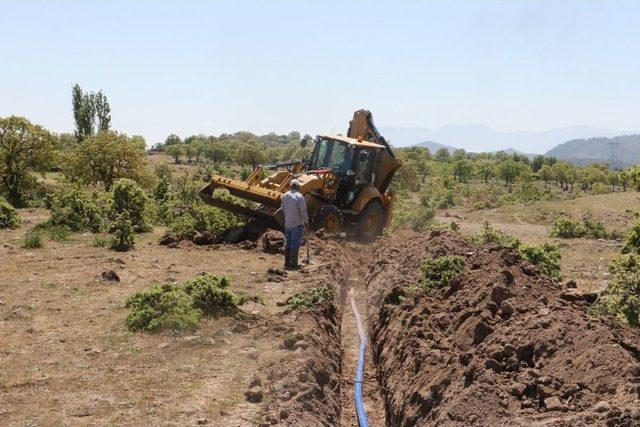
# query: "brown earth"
{"type": "Point", "coordinates": [498, 345]}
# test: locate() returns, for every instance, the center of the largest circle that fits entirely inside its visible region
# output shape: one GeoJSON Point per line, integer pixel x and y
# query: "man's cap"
{"type": "Point", "coordinates": [294, 183]}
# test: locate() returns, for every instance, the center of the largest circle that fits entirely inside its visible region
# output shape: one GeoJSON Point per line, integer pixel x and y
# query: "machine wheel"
{"type": "Point", "coordinates": [329, 218]}
{"type": "Point", "coordinates": [370, 222]}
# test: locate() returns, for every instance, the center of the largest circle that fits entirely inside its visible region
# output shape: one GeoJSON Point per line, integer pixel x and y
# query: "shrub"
{"type": "Point", "coordinates": [129, 199]}
{"type": "Point", "coordinates": [9, 217]}
{"type": "Point", "coordinates": [32, 240]}
{"type": "Point", "coordinates": [78, 210]}
{"type": "Point", "coordinates": [210, 294]}
{"type": "Point", "coordinates": [439, 271]}
{"type": "Point", "coordinates": [180, 306]}
{"type": "Point", "coordinates": [122, 233]}
{"type": "Point", "coordinates": [621, 297]}
{"type": "Point", "coordinates": [310, 298]}
{"type": "Point", "coordinates": [163, 306]}
{"type": "Point", "coordinates": [545, 256]}
{"type": "Point", "coordinates": [566, 228]}
{"type": "Point", "coordinates": [187, 220]}
{"type": "Point", "coordinates": [632, 244]}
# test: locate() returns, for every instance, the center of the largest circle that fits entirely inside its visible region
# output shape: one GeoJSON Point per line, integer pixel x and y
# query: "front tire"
{"type": "Point", "coordinates": [370, 222]}
{"type": "Point", "coordinates": [329, 218]}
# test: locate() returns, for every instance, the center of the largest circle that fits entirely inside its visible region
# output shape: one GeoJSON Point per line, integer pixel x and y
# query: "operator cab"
{"type": "Point", "coordinates": [350, 160]}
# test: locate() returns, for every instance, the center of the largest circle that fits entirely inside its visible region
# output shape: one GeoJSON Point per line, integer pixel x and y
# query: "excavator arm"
{"type": "Point", "coordinates": [362, 127]}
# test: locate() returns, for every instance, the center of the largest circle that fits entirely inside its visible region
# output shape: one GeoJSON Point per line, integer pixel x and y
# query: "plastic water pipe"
{"type": "Point", "coordinates": [357, 392]}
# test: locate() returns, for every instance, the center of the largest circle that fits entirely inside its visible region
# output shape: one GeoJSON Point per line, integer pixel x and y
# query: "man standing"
{"type": "Point", "coordinates": [295, 221]}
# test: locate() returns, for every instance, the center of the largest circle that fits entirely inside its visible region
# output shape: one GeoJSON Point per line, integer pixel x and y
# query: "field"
{"type": "Point", "coordinates": [70, 359]}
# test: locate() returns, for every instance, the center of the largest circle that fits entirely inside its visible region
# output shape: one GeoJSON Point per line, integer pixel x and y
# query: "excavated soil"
{"type": "Point", "coordinates": [499, 345]}
{"type": "Point", "coordinates": [303, 386]}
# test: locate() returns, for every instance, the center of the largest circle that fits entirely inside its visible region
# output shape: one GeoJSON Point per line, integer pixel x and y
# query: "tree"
{"type": "Point", "coordinates": [83, 112]}
{"type": "Point", "coordinates": [102, 111]}
{"type": "Point", "coordinates": [509, 170]}
{"type": "Point", "coordinates": [462, 170]}
{"type": "Point", "coordinates": [458, 154]}
{"type": "Point", "coordinates": [198, 148]}
{"type": "Point", "coordinates": [139, 141]}
{"type": "Point", "coordinates": [172, 139]}
{"type": "Point", "coordinates": [175, 151]}
{"type": "Point", "coordinates": [24, 148]}
{"type": "Point", "coordinates": [189, 151]}
{"type": "Point", "coordinates": [545, 173]}
{"type": "Point", "coordinates": [537, 163]}
{"type": "Point", "coordinates": [89, 108]}
{"type": "Point", "coordinates": [251, 153]}
{"type": "Point", "coordinates": [216, 151]}
{"type": "Point", "coordinates": [486, 169]}
{"type": "Point", "coordinates": [442, 155]}
{"type": "Point", "coordinates": [105, 157]}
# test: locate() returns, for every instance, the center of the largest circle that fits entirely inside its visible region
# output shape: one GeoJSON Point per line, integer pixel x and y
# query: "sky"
{"type": "Point", "coordinates": [190, 67]}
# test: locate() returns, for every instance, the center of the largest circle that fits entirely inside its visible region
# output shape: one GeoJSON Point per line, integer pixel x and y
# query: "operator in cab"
{"type": "Point", "coordinates": [294, 208]}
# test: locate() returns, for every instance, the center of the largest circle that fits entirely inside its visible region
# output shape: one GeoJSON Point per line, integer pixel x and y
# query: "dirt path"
{"type": "Point", "coordinates": [373, 402]}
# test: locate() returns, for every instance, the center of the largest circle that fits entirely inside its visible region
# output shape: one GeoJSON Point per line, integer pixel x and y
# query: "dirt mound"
{"type": "Point", "coordinates": [497, 345]}
{"type": "Point", "coordinates": [303, 387]}
{"type": "Point", "coordinates": [273, 242]}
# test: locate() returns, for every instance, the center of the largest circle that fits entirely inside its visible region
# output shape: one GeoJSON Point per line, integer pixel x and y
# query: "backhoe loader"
{"type": "Point", "coordinates": [345, 183]}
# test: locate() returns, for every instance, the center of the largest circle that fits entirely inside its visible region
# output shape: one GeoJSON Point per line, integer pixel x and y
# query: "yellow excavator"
{"type": "Point", "coordinates": [345, 183]}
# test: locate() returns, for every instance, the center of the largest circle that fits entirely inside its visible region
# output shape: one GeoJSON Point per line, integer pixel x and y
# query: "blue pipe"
{"type": "Point", "coordinates": [362, 415]}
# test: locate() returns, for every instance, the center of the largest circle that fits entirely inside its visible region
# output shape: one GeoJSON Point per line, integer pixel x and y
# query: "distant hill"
{"type": "Point", "coordinates": [618, 152]}
{"type": "Point", "coordinates": [434, 146]}
{"type": "Point", "coordinates": [479, 138]}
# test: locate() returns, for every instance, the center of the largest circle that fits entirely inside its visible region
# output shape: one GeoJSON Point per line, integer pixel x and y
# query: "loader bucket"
{"type": "Point", "coordinates": [267, 214]}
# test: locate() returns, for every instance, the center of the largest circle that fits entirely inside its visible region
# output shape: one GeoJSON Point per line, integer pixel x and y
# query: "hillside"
{"type": "Point", "coordinates": [480, 138]}
{"type": "Point", "coordinates": [434, 146]}
{"type": "Point", "coordinates": [620, 151]}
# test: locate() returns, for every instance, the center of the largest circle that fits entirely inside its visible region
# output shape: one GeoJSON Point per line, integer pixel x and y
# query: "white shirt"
{"type": "Point", "coordinates": [294, 208]}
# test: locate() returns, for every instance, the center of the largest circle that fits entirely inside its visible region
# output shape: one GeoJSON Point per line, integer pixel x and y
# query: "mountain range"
{"type": "Point", "coordinates": [480, 138]}
{"type": "Point", "coordinates": [618, 152]}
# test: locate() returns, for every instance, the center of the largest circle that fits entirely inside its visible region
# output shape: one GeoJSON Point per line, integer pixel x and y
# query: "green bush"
{"type": "Point", "coordinates": [210, 294]}
{"type": "Point", "coordinates": [9, 217]}
{"type": "Point", "coordinates": [122, 233]}
{"type": "Point", "coordinates": [310, 298]}
{"type": "Point", "coordinates": [180, 306]}
{"type": "Point", "coordinates": [567, 228]}
{"type": "Point", "coordinates": [99, 242]}
{"type": "Point", "coordinates": [439, 271]}
{"type": "Point", "coordinates": [187, 220]}
{"type": "Point", "coordinates": [545, 256]}
{"type": "Point", "coordinates": [78, 210]}
{"type": "Point", "coordinates": [164, 306]}
{"type": "Point", "coordinates": [621, 297]}
{"type": "Point", "coordinates": [129, 198]}
{"type": "Point", "coordinates": [632, 244]}
{"type": "Point", "coordinates": [32, 240]}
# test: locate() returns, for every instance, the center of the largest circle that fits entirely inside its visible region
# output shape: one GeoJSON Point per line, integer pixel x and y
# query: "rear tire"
{"type": "Point", "coordinates": [370, 222]}
{"type": "Point", "coordinates": [329, 218]}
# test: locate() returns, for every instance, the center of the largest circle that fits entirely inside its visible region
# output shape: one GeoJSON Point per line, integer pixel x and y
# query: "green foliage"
{"type": "Point", "coordinates": [566, 228]}
{"type": "Point", "coordinates": [89, 108]}
{"type": "Point", "coordinates": [105, 157]}
{"type": "Point", "coordinates": [437, 272]}
{"type": "Point", "coordinates": [122, 233]}
{"type": "Point", "coordinates": [129, 198]}
{"type": "Point", "coordinates": [310, 298]}
{"type": "Point", "coordinates": [25, 148]}
{"type": "Point", "coordinates": [58, 233]}
{"type": "Point", "coordinates": [162, 307]}
{"type": "Point", "coordinates": [99, 242]}
{"type": "Point", "coordinates": [621, 297]}
{"type": "Point", "coordinates": [632, 244]}
{"type": "Point", "coordinates": [32, 240]}
{"type": "Point", "coordinates": [78, 210]}
{"type": "Point", "coordinates": [180, 306]}
{"type": "Point", "coordinates": [9, 217]}
{"type": "Point", "coordinates": [545, 256]}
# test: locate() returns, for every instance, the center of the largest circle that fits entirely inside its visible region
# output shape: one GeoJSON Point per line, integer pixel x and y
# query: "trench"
{"type": "Point", "coordinates": [372, 398]}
